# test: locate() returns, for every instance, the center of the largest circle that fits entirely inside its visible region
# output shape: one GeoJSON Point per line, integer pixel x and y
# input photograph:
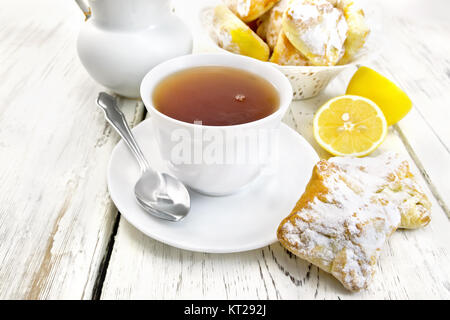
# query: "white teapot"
{"type": "Point", "coordinates": [124, 39]}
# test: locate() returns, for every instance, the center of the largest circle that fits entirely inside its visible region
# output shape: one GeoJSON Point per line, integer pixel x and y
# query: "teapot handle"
{"type": "Point", "coordinates": [85, 8]}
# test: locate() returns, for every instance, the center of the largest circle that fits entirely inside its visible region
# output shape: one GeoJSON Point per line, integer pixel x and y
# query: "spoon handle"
{"type": "Point", "coordinates": [117, 120]}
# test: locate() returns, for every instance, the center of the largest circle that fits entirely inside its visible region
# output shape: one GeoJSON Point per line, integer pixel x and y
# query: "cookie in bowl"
{"type": "Point", "coordinates": [269, 25]}
{"type": "Point", "coordinates": [325, 32]}
{"type": "Point", "coordinates": [285, 54]}
{"type": "Point", "coordinates": [235, 36]}
{"type": "Point", "coordinates": [358, 30]}
{"type": "Point", "coordinates": [317, 29]}
{"type": "Point", "coordinates": [249, 10]}
{"type": "Point", "coordinates": [309, 51]}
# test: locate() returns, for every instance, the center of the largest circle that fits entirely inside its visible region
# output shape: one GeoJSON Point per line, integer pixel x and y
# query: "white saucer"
{"type": "Point", "coordinates": [239, 222]}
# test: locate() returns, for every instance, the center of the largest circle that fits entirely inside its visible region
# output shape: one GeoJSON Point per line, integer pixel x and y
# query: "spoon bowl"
{"type": "Point", "coordinates": [159, 194]}
{"type": "Point", "coordinates": [165, 194]}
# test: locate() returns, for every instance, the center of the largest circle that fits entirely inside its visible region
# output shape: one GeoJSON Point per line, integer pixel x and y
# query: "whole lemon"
{"type": "Point", "coordinates": [369, 84]}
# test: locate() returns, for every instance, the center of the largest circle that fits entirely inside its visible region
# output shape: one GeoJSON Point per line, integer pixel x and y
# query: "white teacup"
{"type": "Point", "coordinates": [217, 160]}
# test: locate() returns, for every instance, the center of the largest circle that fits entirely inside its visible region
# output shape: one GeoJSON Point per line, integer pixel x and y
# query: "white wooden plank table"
{"type": "Point", "coordinates": [61, 236]}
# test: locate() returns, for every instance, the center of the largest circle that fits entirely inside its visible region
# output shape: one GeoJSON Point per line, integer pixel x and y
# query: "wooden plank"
{"type": "Point", "coordinates": [405, 267]}
{"type": "Point", "coordinates": [413, 265]}
{"type": "Point", "coordinates": [56, 216]}
{"type": "Point", "coordinates": [424, 73]}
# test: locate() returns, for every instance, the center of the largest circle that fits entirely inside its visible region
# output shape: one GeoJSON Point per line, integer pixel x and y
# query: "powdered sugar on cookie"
{"type": "Point", "coordinates": [349, 209]}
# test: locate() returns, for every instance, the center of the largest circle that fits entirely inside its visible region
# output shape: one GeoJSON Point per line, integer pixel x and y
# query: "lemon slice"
{"type": "Point", "coordinates": [349, 126]}
{"type": "Point", "coordinates": [386, 94]}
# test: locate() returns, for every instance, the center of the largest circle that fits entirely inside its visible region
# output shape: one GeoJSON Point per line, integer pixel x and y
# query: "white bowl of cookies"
{"type": "Point", "coordinates": [310, 41]}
